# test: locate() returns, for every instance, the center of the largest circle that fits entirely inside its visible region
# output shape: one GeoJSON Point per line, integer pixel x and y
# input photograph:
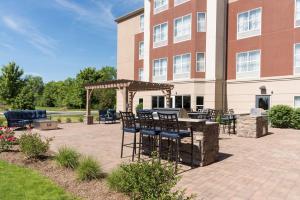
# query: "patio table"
{"type": "Point", "coordinates": [206, 140]}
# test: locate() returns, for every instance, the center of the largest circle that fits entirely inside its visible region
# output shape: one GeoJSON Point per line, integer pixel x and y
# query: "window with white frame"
{"type": "Point", "coordinates": [160, 5]}
{"type": "Point", "coordinates": [200, 65]}
{"type": "Point", "coordinates": [160, 35]}
{"type": "Point", "coordinates": [297, 59]}
{"type": "Point", "coordinates": [141, 74]}
{"type": "Point", "coordinates": [248, 64]}
{"type": "Point", "coordinates": [141, 50]}
{"type": "Point", "coordinates": [160, 69]}
{"type": "Point", "coordinates": [158, 101]}
{"type": "Point", "coordinates": [142, 22]}
{"type": "Point", "coordinates": [249, 23]}
{"type": "Point", "coordinates": [201, 22]}
{"type": "Point", "coordinates": [199, 103]}
{"type": "Point", "coordinates": [178, 2]}
{"type": "Point", "coordinates": [182, 28]}
{"type": "Point", "coordinates": [297, 101]}
{"type": "Point", "coordinates": [297, 13]}
{"type": "Point", "coordinates": [182, 66]}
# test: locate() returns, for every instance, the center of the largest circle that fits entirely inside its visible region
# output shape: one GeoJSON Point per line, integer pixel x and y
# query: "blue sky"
{"type": "Point", "coordinates": [56, 38]}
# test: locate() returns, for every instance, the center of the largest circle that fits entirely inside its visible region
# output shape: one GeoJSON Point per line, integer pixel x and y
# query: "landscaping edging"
{"type": "Point", "coordinates": [66, 178]}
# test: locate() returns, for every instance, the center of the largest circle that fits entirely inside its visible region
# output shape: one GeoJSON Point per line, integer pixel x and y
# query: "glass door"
{"type": "Point", "coordinates": [263, 102]}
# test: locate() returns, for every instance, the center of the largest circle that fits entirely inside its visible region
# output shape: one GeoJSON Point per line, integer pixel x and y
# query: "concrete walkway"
{"type": "Point", "coordinates": [265, 168]}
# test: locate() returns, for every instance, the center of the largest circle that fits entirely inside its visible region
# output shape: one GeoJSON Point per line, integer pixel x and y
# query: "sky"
{"type": "Point", "coordinates": [55, 39]}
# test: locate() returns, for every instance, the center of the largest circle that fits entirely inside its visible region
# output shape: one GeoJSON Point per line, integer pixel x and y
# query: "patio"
{"type": "Point", "coordinates": [264, 168]}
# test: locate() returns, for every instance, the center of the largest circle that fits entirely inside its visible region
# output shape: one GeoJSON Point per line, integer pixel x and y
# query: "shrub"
{"type": "Point", "coordinates": [146, 180]}
{"type": "Point", "coordinates": [67, 157]}
{"type": "Point", "coordinates": [32, 145]}
{"type": "Point", "coordinates": [281, 116]}
{"type": "Point", "coordinates": [139, 107]}
{"type": "Point", "coordinates": [296, 119]}
{"type": "Point", "coordinates": [7, 139]}
{"type": "Point", "coordinates": [69, 120]}
{"type": "Point", "coordinates": [2, 121]}
{"type": "Point", "coordinates": [80, 119]}
{"type": "Point", "coordinates": [59, 120]}
{"type": "Point", "coordinates": [88, 169]}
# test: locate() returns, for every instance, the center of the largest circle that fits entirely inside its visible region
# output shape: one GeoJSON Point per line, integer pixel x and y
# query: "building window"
{"type": "Point", "coordinates": [141, 101]}
{"type": "Point", "coordinates": [201, 22]}
{"type": "Point", "coordinates": [160, 5]}
{"type": "Point", "coordinates": [297, 59]}
{"type": "Point", "coordinates": [199, 103]}
{"type": "Point", "coordinates": [297, 13]}
{"type": "Point", "coordinates": [141, 50]}
{"type": "Point", "coordinates": [200, 65]}
{"type": "Point", "coordinates": [158, 102]}
{"type": "Point", "coordinates": [141, 74]}
{"type": "Point", "coordinates": [249, 24]}
{"type": "Point", "coordinates": [182, 66]}
{"type": "Point", "coordinates": [160, 69]}
{"type": "Point", "coordinates": [183, 102]}
{"type": "Point", "coordinates": [142, 22]}
{"type": "Point", "coordinates": [248, 64]}
{"type": "Point", "coordinates": [297, 101]}
{"type": "Point", "coordinates": [160, 35]}
{"type": "Point", "coordinates": [178, 2]}
{"type": "Point", "coordinates": [182, 28]}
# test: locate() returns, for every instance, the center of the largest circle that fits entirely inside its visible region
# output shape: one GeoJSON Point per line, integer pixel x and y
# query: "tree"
{"type": "Point", "coordinates": [36, 84]}
{"type": "Point", "coordinates": [25, 100]}
{"type": "Point", "coordinates": [10, 82]}
{"type": "Point", "coordinates": [54, 94]}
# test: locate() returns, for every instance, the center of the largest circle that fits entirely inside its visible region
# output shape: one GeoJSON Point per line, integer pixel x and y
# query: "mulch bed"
{"type": "Point", "coordinates": [66, 178]}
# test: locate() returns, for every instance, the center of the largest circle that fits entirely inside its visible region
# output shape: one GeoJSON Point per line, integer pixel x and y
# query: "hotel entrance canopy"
{"type": "Point", "coordinates": [129, 89]}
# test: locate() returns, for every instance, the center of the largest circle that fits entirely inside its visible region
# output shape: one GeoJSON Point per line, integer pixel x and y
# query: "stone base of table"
{"type": "Point", "coordinates": [252, 127]}
{"type": "Point", "coordinates": [45, 125]}
{"type": "Point", "coordinates": [206, 146]}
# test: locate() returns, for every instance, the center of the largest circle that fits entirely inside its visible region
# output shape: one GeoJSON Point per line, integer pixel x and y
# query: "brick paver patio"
{"type": "Point", "coordinates": [265, 168]}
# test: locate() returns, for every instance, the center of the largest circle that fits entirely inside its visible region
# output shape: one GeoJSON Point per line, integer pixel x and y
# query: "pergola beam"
{"type": "Point", "coordinates": [129, 89]}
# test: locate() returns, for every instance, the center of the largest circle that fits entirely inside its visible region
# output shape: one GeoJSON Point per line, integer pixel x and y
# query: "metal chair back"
{"type": "Point", "coordinates": [128, 120]}
{"type": "Point", "coordinates": [168, 122]}
{"type": "Point", "coordinates": [146, 120]}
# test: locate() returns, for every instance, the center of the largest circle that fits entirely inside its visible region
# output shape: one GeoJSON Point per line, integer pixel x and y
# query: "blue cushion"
{"type": "Point", "coordinates": [150, 132]}
{"type": "Point", "coordinates": [131, 130]}
{"type": "Point", "coordinates": [175, 134]}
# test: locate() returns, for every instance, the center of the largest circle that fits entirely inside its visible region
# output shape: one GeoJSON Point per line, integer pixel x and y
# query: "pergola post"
{"type": "Point", "coordinates": [125, 98]}
{"type": "Point", "coordinates": [130, 101]}
{"type": "Point", "coordinates": [88, 116]}
{"type": "Point", "coordinates": [168, 98]}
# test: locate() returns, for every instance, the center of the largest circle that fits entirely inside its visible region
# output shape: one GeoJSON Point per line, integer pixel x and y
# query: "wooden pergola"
{"type": "Point", "coordinates": [129, 89]}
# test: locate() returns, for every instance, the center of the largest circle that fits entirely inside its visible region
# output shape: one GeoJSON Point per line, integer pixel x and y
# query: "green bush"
{"type": "Point", "coordinates": [69, 120]}
{"type": "Point", "coordinates": [139, 107]}
{"type": "Point", "coordinates": [2, 121]}
{"type": "Point", "coordinates": [32, 145]}
{"type": "Point", "coordinates": [281, 116]}
{"type": "Point", "coordinates": [88, 169]}
{"type": "Point", "coordinates": [59, 120]}
{"type": "Point", "coordinates": [147, 180]}
{"type": "Point", "coordinates": [80, 119]}
{"type": "Point", "coordinates": [67, 157]}
{"type": "Point", "coordinates": [296, 119]}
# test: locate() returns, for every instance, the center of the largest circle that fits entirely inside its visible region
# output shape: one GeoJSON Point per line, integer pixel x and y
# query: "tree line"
{"type": "Point", "coordinates": [21, 91]}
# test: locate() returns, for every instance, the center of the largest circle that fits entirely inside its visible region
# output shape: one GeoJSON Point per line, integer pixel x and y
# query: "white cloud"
{"type": "Point", "coordinates": [98, 13]}
{"type": "Point", "coordinates": [42, 42]}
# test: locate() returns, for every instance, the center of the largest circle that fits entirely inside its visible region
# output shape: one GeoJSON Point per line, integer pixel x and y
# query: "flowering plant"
{"type": "Point", "coordinates": [7, 139]}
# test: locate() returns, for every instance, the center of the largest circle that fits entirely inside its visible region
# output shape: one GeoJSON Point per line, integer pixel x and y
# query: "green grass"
{"type": "Point", "coordinates": [19, 183]}
{"type": "Point", "coordinates": [74, 118]}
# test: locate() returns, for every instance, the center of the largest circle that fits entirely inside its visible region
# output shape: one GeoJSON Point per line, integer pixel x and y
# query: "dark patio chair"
{"type": "Point", "coordinates": [102, 115]}
{"type": "Point", "coordinates": [147, 128]}
{"type": "Point", "coordinates": [170, 130]}
{"type": "Point", "coordinates": [129, 126]}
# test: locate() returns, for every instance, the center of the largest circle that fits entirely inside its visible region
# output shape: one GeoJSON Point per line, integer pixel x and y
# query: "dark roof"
{"type": "Point", "coordinates": [130, 15]}
{"type": "Point", "coordinates": [130, 84]}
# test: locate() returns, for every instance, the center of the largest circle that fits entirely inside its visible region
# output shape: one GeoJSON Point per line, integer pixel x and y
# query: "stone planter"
{"type": "Point", "coordinates": [252, 126]}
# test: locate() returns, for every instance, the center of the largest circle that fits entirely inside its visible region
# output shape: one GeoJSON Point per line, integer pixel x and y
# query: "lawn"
{"type": "Point", "coordinates": [19, 183]}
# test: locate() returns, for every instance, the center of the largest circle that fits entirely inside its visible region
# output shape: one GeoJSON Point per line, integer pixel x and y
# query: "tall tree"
{"type": "Point", "coordinates": [10, 82]}
{"type": "Point", "coordinates": [36, 85]}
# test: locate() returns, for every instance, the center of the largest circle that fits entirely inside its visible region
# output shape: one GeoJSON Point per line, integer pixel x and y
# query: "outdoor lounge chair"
{"type": "Point", "coordinates": [107, 116]}
{"type": "Point", "coordinates": [22, 118]}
